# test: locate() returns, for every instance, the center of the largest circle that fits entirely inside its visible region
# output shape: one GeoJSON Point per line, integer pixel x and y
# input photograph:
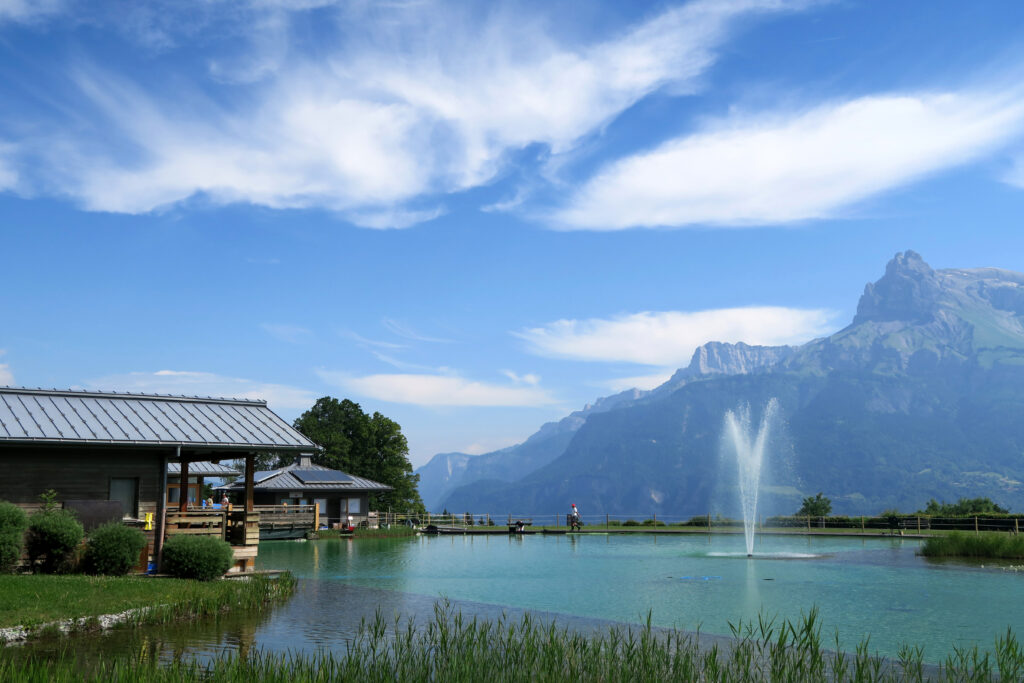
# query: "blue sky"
{"type": "Point", "coordinates": [476, 218]}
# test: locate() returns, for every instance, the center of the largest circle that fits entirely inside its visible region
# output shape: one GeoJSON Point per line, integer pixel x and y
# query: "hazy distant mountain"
{"type": "Point", "coordinates": [921, 396]}
{"type": "Point", "coordinates": [445, 472]}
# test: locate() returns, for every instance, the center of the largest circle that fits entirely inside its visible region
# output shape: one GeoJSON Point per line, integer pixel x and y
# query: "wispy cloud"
{"type": "Point", "coordinates": [6, 376]}
{"type": "Point", "coordinates": [372, 343]}
{"type": "Point", "coordinates": [668, 339]}
{"type": "Point", "coordinates": [437, 390]}
{"type": "Point", "coordinates": [404, 101]}
{"type": "Point", "coordinates": [291, 334]}
{"type": "Point", "coordinates": [784, 167]}
{"type": "Point", "coordinates": [402, 330]}
{"type": "Point", "coordinates": [29, 10]}
{"type": "Point", "coordinates": [644, 382]}
{"type": "Point", "coordinates": [186, 382]}
{"type": "Point", "coordinates": [396, 219]}
{"type": "Point", "coordinates": [528, 378]}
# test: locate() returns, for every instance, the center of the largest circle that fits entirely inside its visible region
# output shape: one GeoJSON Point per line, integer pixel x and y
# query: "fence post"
{"type": "Point", "coordinates": [808, 522]}
{"type": "Point", "coordinates": [655, 520]}
{"type": "Point", "coordinates": [862, 523]}
{"type": "Point", "coordinates": [1016, 525]}
{"type": "Point", "coordinates": [709, 522]}
{"type": "Point", "coordinates": [975, 524]}
{"type": "Point", "coordinates": [556, 520]}
{"type": "Point", "coordinates": [919, 524]}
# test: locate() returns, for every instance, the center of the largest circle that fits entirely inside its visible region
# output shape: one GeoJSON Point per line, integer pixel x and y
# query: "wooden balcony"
{"type": "Point", "coordinates": [239, 528]}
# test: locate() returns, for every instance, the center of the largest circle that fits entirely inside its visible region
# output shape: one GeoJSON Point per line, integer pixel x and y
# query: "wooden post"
{"type": "Point", "coordinates": [862, 523]}
{"type": "Point", "coordinates": [556, 520]}
{"type": "Point", "coordinates": [808, 522]}
{"type": "Point", "coordinates": [975, 524]}
{"type": "Point", "coordinates": [709, 522]}
{"type": "Point", "coordinates": [919, 524]}
{"type": "Point", "coordinates": [1016, 525]}
{"type": "Point", "coordinates": [183, 487]}
{"type": "Point", "coordinates": [655, 520]}
{"type": "Point", "coordinates": [250, 476]}
{"type": "Point", "coordinates": [606, 524]}
{"type": "Point", "coordinates": [316, 516]}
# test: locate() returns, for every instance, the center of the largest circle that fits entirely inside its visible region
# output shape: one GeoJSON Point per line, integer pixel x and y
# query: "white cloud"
{"type": "Point", "coordinates": [279, 397]}
{"type": "Point", "coordinates": [291, 334]}
{"type": "Point", "coordinates": [437, 390]}
{"type": "Point", "coordinates": [411, 100]}
{"type": "Point", "coordinates": [783, 168]}
{"type": "Point", "coordinates": [668, 339]}
{"type": "Point", "coordinates": [643, 382]}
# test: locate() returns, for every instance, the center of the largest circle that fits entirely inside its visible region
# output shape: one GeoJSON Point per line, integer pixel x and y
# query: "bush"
{"type": "Point", "coordinates": [631, 522]}
{"type": "Point", "coordinates": [13, 523]}
{"type": "Point", "coordinates": [197, 557]}
{"type": "Point", "coordinates": [53, 536]}
{"type": "Point", "coordinates": [113, 549]}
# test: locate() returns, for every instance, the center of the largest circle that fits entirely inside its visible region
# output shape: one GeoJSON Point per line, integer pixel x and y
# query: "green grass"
{"type": "Point", "coordinates": [993, 545]}
{"type": "Point", "coordinates": [39, 599]}
{"type": "Point", "coordinates": [453, 649]}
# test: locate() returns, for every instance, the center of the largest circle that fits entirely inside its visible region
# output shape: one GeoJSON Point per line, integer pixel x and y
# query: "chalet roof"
{"type": "Point", "coordinates": [296, 478]}
{"type": "Point", "coordinates": [202, 469]}
{"type": "Point", "coordinates": [98, 418]}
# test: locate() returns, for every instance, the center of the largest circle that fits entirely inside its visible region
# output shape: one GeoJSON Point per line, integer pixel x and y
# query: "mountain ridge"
{"type": "Point", "coordinates": [918, 397]}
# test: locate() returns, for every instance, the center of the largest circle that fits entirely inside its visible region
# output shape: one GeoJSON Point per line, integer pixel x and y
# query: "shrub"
{"type": "Point", "coordinates": [197, 557]}
{"type": "Point", "coordinates": [631, 522]}
{"type": "Point", "coordinates": [113, 549]}
{"type": "Point", "coordinates": [13, 522]}
{"type": "Point", "coordinates": [53, 536]}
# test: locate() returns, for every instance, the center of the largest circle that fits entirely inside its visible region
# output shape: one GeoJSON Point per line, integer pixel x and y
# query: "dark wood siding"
{"type": "Point", "coordinates": [77, 473]}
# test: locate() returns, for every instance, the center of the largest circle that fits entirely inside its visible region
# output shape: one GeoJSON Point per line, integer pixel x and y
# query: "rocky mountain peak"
{"type": "Point", "coordinates": [910, 291]}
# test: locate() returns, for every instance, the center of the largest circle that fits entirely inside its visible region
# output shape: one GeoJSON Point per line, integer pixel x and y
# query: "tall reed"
{"type": "Point", "coordinates": [455, 648]}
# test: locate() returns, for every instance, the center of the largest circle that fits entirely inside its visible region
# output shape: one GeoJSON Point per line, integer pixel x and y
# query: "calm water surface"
{"type": "Point", "coordinates": [862, 587]}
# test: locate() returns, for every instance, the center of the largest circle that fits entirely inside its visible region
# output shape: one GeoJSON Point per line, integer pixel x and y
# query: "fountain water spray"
{"type": "Point", "coordinates": [749, 449]}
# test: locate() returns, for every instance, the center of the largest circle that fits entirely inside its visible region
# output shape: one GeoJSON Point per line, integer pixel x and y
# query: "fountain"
{"type": "Point", "coordinates": [749, 450]}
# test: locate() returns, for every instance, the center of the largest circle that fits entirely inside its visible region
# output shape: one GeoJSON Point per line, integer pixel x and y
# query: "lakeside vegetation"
{"type": "Point", "coordinates": [454, 648]}
{"type": "Point", "coordinates": [982, 546]}
{"type": "Point", "coordinates": [34, 600]}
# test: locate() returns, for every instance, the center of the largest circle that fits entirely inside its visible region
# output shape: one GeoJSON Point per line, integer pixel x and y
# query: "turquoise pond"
{"type": "Point", "coordinates": [877, 587]}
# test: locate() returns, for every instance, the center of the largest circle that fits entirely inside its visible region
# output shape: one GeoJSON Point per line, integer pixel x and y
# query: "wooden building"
{"type": "Point", "coordinates": [337, 495]}
{"type": "Point", "coordinates": [92, 447]}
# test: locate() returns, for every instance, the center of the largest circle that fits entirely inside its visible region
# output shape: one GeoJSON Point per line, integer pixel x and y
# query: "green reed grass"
{"type": "Point", "coordinates": [995, 545]}
{"type": "Point", "coordinates": [454, 648]}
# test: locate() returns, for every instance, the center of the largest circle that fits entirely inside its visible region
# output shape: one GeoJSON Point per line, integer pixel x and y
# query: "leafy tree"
{"type": "Point", "coordinates": [370, 446]}
{"type": "Point", "coordinates": [815, 506]}
{"type": "Point", "coordinates": [963, 507]}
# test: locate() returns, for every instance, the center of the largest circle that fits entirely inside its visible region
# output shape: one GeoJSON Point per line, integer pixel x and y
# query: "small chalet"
{"type": "Point", "coordinates": [107, 455]}
{"type": "Point", "coordinates": [336, 495]}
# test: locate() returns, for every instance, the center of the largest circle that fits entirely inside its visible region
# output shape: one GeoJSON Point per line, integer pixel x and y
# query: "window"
{"type": "Point", "coordinates": [353, 506]}
{"type": "Point", "coordinates": [126, 491]}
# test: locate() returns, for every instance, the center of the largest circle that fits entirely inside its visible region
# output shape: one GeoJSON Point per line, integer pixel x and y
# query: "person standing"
{"type": "Point", "coordinates": [575, 517]}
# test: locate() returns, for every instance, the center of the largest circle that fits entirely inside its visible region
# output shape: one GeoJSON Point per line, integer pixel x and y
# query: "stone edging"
{"type": "Point", "coordinates": [19, 634]}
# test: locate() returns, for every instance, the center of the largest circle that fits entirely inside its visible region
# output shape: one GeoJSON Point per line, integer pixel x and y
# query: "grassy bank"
{"type": "Point", "coordinates": [452, 648]}
{"type": "Point", "coordinates": [39, 599]}
{"type": "Point", "coordinates": [986, 545]}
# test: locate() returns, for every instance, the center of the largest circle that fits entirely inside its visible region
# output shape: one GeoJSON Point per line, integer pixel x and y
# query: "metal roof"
{"type": "Point", "coordinates": [284, 479]}
{"type": "Point", "coordinates": [203, 469]}
{"type": "Point", "coordinates": [109, 418]}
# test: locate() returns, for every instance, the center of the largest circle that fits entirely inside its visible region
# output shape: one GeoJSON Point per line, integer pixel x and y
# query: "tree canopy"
{"type": "Point", "coordinates": [370, 446]}
{"type": "Point", "coordinates": [815, 506]}
{"type": "Point", "coordinates": [963, 507]}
